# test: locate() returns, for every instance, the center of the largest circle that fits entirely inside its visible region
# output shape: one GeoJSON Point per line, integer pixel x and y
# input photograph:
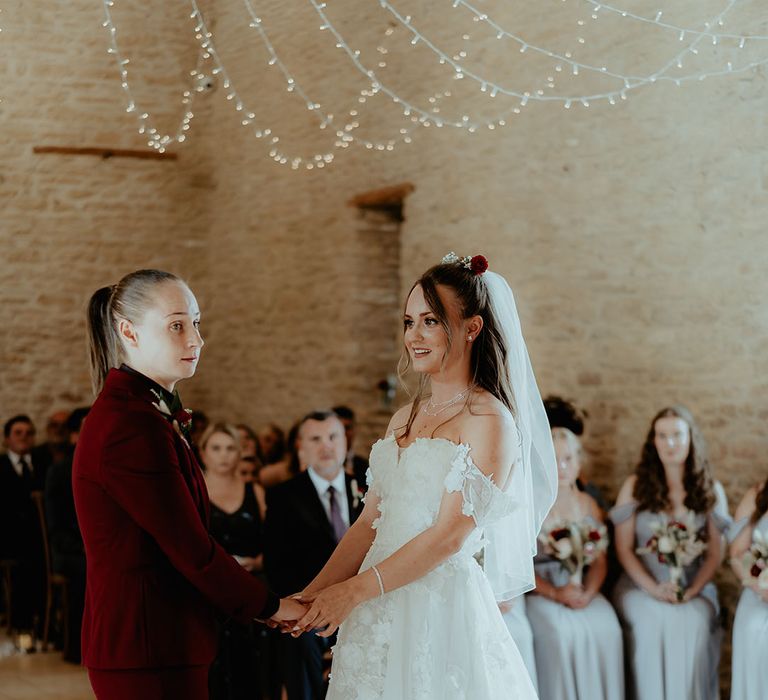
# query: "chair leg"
{"type": "Point", "coordinates": [47, 620]}
{"type": "Point", "coordinates": [8, 592]}
{"type": "Point", "coordinates": [65, 618]}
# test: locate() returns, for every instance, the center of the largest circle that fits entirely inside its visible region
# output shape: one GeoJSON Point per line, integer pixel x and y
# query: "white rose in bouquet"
{"type": "Point", "coordinates": [666, 545]}
{"type": "Point", "coordinates": [564, 549]}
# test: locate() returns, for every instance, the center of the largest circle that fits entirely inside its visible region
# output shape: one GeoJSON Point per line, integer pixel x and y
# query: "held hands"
{"type": "Point", "coordinates": [287, 614]}
{"type": "Point", "coordinates": [327, 609]}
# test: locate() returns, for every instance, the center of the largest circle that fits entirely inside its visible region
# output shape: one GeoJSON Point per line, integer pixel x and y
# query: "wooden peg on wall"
{"type": "Point", "coordinates": [104, 152]}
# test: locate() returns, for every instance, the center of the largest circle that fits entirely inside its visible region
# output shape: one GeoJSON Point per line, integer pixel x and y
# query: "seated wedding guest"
{"type": "Point", "coordinates": [669, 520]}
{"type": "Point", "coordinates": [56, 446]}
{"type": "Point", "coordinates": [248, 469]}
{"type": "Point", "coordinates": [749, 560]}
{"type": "Point", "coordinates": [514, 614]}
{"type": "Point", "coordinates": [564, 414]}
{"type": "Point", "coordinates": [306, 518]}
{"type": "Point", "coordinates": [355, 465]}
{"type": "Point", "coordinates": [21, 539]}
{"type": "Point", "coordinates": [249, 444]}
{"type": "Point", "coordinates": [271, 444]}
{"type": "Point", "coordinates": [284, 470]}
{"type": "Point", "coordinates": [64, 538]}
{"type": "Point", "coordinates": [237, 510]}
{"type": "Point", "coordinates": [577, 637]}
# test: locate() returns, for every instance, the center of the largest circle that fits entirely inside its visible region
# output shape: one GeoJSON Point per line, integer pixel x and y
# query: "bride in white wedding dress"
{"type": "Point", "coordinates": [466, 468]}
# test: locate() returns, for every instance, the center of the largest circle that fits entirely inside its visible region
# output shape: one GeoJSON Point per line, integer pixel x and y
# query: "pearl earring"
{"type": "Point", "coordinates": [469, 338]}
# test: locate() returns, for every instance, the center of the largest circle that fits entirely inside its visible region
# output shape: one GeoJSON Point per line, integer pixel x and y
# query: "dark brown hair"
{"type": "Point", "coordinates": [761, 503]}
{"type": "Point", "coordinates": [488, 354]}
{"type": "Point", "coordinates": [651, 489]}
{"type": "Point", "coordinates": [128, 299]}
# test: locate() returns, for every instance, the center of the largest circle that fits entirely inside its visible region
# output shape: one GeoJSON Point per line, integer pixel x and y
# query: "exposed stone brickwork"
{"type": "Point", "coordinates": [633, 236]}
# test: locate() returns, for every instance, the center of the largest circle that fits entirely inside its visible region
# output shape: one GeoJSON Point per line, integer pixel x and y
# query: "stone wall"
{"type": "Point", "coordinates": [632, 235]}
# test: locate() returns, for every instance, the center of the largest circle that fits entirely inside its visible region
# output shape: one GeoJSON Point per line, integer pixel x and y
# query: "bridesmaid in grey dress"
{"type": "Point", "coordinates": [577, 637]}
{"type": "Point", "coordinates": [750, 628]}
{"type": "Point", "coordinates": [672, 646]}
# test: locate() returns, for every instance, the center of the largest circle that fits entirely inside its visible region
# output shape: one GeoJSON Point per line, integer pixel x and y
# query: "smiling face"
{"type": "Point", "coordinates": [425, 337]}
{"type": "Point", "coordinates": [672, 439]}
{"type": "Point", "coordinates": [221, 454]}
{"type": "Point", "coordinates": [165, 343]}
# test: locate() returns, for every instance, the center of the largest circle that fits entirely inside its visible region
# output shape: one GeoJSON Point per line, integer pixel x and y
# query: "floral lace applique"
{"type": "Point", "coordinates": [483, 500]}
{"type": "Point", "coordinates": [369, 626]}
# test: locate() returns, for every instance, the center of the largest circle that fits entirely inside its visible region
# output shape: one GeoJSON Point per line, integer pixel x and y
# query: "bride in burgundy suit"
{"type": "Point", "coordinates": [154, 574]}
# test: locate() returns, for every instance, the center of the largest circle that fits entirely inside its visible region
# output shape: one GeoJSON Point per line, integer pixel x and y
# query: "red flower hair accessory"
{"type": "Point", "coordinates": [477, 264]}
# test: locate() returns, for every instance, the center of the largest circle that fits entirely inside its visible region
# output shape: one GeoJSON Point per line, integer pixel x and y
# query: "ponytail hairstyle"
{"type": "Point", "coordinates": [128, 299]}
{"type": "Point", "coordinates": [761, 503]}
{"type": "Point", "coordinates": [488, 355]}
{"type": "Point", "coordinates": [651, 489]}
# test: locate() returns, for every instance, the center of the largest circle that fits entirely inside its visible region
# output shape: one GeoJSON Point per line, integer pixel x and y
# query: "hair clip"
{"type": "Point", "coordinates": [477, 263]}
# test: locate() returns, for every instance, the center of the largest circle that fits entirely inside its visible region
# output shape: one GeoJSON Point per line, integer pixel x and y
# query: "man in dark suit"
{"type": "Point", "coordinates": [355, 465]}
{"type": "Point", "coordinates": [20, 535]}
{"type": "Point", "coordinates": [306, 518]}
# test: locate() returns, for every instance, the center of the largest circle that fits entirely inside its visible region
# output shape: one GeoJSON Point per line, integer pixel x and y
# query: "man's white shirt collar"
{"type": "Point", "coordinates": [339, 483]}
{"type": "Point", "coordinates": [16, 461]}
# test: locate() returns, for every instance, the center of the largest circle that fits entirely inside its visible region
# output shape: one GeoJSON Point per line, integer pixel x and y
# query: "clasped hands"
{"type": "Point", "coordinates": [572, 595]}
{"type": "Point", "coordinates": [323, 610]}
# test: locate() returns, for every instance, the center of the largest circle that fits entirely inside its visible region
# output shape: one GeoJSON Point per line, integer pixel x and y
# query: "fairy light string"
{"type": "Point", "coordinates": [344, 129]}
{"type": "Point", "coordinates": [681, 31]}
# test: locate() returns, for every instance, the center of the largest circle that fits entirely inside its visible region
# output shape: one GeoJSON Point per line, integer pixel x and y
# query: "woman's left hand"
{"type": "Point", "coordinates": [688, 595]}
{"type": "Point", "coordinates": [327, 608]}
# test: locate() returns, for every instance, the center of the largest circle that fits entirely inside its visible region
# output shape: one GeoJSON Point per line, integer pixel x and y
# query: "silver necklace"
{"type": "Point", "coordinates": [435, 409]}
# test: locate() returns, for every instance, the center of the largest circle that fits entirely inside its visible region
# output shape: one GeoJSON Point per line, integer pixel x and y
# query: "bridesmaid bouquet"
{"type": "Point", "coordinates": [575, 545]}
{"type": "Point", "coordinates": [755, 561]}
{"type": "Point", "coordinates": [675, 543]}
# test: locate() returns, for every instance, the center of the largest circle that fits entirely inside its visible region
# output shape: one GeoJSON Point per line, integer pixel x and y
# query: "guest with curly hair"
{"type": "Point", "coordinates": [670, 613]}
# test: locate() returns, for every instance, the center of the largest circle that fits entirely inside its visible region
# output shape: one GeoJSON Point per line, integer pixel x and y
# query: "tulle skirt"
{"type": "Point", "coordinates": [440, 637]}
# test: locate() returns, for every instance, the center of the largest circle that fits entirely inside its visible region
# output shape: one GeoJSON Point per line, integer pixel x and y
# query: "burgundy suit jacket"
{"type": "Point", "coordinates": [154, 575]}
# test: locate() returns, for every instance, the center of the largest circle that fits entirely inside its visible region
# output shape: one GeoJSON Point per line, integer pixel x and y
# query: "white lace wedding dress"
{"type": "Point", "coordinates": [442, 636]}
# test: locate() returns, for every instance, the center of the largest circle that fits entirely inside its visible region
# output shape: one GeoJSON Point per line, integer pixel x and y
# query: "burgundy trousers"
{"type": "Point", "coordinates": [177, 683]}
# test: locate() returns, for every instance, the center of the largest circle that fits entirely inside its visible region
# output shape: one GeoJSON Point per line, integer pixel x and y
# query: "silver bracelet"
{"type": "Point", "coordinates": [378, 578]}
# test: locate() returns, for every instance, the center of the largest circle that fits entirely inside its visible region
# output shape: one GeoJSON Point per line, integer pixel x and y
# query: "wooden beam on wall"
{"type": "Point", "coordinates": [384, 198]}
{"type": "Point", "coordinates": [104, 152]}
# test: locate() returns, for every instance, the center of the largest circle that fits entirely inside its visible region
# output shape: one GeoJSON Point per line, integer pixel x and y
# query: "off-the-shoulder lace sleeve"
{"type": "Point", "coordinates": [622, 513]}
{"type": "Point", "coordinates": [370, 483]}
{"type": "Point", "coordinates": [482, 499]}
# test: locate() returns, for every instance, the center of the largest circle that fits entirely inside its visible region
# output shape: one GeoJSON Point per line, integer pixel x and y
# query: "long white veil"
{"type": "Point", "coordinates": [511, 541]}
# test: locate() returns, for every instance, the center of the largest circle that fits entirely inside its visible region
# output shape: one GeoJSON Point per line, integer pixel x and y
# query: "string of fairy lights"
{"type": "Point", "coordinates": [343, 128]}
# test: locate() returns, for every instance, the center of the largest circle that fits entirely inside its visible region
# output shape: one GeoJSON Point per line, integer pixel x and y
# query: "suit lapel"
{"type": "Point", "coordinates": [310, 503]}
{"type": "Point", "coordinates": [193, 475]}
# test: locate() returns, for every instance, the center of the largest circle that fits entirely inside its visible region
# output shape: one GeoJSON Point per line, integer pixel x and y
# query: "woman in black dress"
{"type": "Point", "coordinates": [237, 512]}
